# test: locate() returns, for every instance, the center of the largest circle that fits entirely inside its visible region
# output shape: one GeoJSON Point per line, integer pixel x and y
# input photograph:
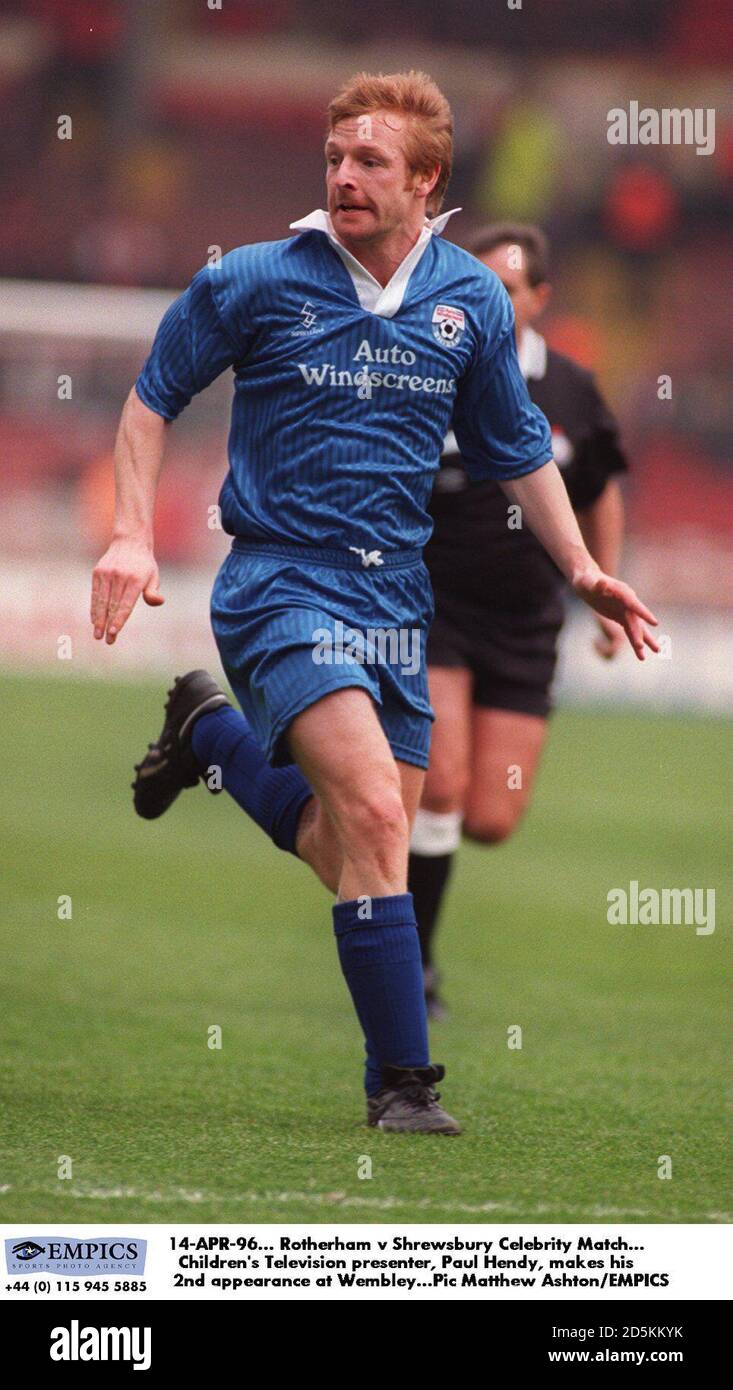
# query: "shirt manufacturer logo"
{"type": "Point", "coordinates": [448, 324]}
{"type": "Point", "coordinates": [308, 322]}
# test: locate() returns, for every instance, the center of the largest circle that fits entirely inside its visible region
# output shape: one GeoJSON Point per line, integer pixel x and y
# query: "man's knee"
{"type": "Point", "coordinates": [492, 826]}
{"type": "Point", "coordinates": [319, 845]}
{"type": "Point", "coordinates": [376, 822]}
{"type": "Point", "coordinates": [445, 788]}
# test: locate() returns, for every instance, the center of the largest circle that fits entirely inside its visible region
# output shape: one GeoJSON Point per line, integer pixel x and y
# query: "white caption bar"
{"type": "Point", "coordinates": [313, 1262]}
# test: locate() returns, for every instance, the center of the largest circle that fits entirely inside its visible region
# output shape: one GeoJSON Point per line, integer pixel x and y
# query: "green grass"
{"type": "Point", "coordinates": [197, 920]}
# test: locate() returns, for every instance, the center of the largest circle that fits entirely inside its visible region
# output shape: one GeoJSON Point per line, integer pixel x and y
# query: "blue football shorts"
{"type": "Point", "coordinates": [294, 622]}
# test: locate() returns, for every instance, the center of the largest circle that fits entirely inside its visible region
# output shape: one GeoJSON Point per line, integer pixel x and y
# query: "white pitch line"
{"type": "Point", "coordinates": [340, 1200]}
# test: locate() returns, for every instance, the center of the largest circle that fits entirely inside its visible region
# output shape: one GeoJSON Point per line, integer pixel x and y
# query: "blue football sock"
{"type": "Point", "coordinates": [380, 959]}
{"type": "Point", "coordinates": [273, 797]}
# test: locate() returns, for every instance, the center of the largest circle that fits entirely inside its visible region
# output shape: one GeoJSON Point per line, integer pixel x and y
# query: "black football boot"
{"type": "Point", "coordinates": [408, 1103]}
{"type": "Point", "coordinates": [169, 764]}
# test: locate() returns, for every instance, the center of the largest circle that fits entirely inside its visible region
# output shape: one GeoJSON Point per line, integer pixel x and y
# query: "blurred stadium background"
{"type": "Point", "coordinates": [196, 127]}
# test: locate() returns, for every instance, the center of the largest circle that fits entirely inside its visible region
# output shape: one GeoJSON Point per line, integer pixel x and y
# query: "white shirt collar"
{"type": "Point", "coordinates": [532, 354]}
{"type": "Point", "coordinates": [377, 299]}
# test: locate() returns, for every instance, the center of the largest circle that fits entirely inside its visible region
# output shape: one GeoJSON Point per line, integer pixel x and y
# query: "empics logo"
{"type": "Point", "coordinates": [26, 1250]}
{"type": "Point", "coordinates": [75, 1343]}
{"type": "Point", "coordinates": [71, 1255]}
{"type": "Point", "coordinates": [448, 324]}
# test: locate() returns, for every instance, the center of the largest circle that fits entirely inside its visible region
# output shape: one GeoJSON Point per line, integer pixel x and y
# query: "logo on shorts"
{"type": "Point", "coordinates": [448, 324]}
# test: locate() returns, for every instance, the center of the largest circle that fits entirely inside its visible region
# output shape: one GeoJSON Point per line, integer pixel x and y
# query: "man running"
{"type": "Point", "coordinates": [353, 344]}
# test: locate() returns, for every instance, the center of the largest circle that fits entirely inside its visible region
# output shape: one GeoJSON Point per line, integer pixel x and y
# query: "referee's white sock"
{"type": "Point", "coordinates": [435, 838]}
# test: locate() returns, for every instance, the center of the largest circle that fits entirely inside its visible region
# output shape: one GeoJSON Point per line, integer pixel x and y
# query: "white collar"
{"type": "Point", "coordinates": [532, 354]}
{"type": "Point", "coordinates": [377, 299]}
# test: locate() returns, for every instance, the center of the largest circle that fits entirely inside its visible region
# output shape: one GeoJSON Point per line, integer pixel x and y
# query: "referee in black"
{"type": "Point", "coordinates": [499, 601]}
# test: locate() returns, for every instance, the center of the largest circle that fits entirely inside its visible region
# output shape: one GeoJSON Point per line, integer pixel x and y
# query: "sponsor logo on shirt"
{"type": "Point", "coordinates": [448, 324]}
{"type": "Point", "coordinates": [365, 380]}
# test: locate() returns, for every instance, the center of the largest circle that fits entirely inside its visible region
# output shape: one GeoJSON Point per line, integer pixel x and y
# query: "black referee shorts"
{"type": "Point", "coordinates": [511, 654]}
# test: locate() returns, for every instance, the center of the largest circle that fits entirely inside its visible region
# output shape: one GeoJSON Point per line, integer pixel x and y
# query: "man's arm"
{"type": "Point", "coordinates": [191, 347]}
{"type": "Point", "coordinates": [602, 527]}
{"type": "Point", "coordinates": [546, 509]}
{"type": "Point", "coordinates": [128, 568]}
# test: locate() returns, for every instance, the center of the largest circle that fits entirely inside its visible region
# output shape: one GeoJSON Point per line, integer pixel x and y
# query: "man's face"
{"type": "Point", "coordinates": [371, 192]}
{"type": "Point", "coordinates": [510, 263]}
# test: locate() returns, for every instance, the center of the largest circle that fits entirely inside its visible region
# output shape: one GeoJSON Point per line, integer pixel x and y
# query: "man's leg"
{"type": "Point", "coordinates": [281, 800]}
{"type": "Point", "coordinates": [205, 739]}
{"type": "Point", "coordinates": [506, 749]}
{"type": "Point", "coordinates": [483, 764]}
{"type": "Point", "coordinates": [225, 746]}
{"type": "Point", "coordinates": [355, 835]}
{"type": "Point", "coordinates": [343, 751]}
{"type": "Point", "coordinates": [437, 830]}
{"type": "Point", "coordinates": [354, 831]}
{"type": "Point", "coordinates": [317, 840]}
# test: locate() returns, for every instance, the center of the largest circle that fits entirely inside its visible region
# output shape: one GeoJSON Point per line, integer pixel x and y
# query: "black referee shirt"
{"type": "Point", "coordinates": [473, 553]}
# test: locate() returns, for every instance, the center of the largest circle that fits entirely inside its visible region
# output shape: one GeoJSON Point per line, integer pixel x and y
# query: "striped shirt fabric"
{"type": "Point", "coordinates": [340, 411]}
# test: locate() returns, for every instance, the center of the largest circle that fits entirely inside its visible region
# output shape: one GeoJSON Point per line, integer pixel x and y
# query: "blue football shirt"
{"type": "Point", "coordinates": [339, 410]}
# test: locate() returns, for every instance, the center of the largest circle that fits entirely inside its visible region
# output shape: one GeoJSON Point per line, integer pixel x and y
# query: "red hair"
{"type": "Point", "coordinates": [429, 134]}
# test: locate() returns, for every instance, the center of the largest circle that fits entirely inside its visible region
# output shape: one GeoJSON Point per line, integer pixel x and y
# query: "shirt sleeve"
{"type": "Point", "coordinates": [500, 433]}
{"type": "Point", "coordinates": [599, 453]}
{"type": "Point", "coordinates": [190, 349]}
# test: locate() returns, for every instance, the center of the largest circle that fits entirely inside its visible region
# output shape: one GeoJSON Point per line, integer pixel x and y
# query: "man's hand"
{"type": "Point", "coordinates": [125, 571]}
{"type": "Point", "coordinates": [612, 599]}
{"type": "Point", "coordinates": [609, 639]}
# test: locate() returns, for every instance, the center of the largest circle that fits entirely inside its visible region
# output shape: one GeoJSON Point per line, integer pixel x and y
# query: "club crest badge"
{"type": "Point", "coordinates": [448, 324]}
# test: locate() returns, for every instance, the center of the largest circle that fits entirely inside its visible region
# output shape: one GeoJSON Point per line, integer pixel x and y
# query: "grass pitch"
{"type": "Point", "coordinates": [197, 920]}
